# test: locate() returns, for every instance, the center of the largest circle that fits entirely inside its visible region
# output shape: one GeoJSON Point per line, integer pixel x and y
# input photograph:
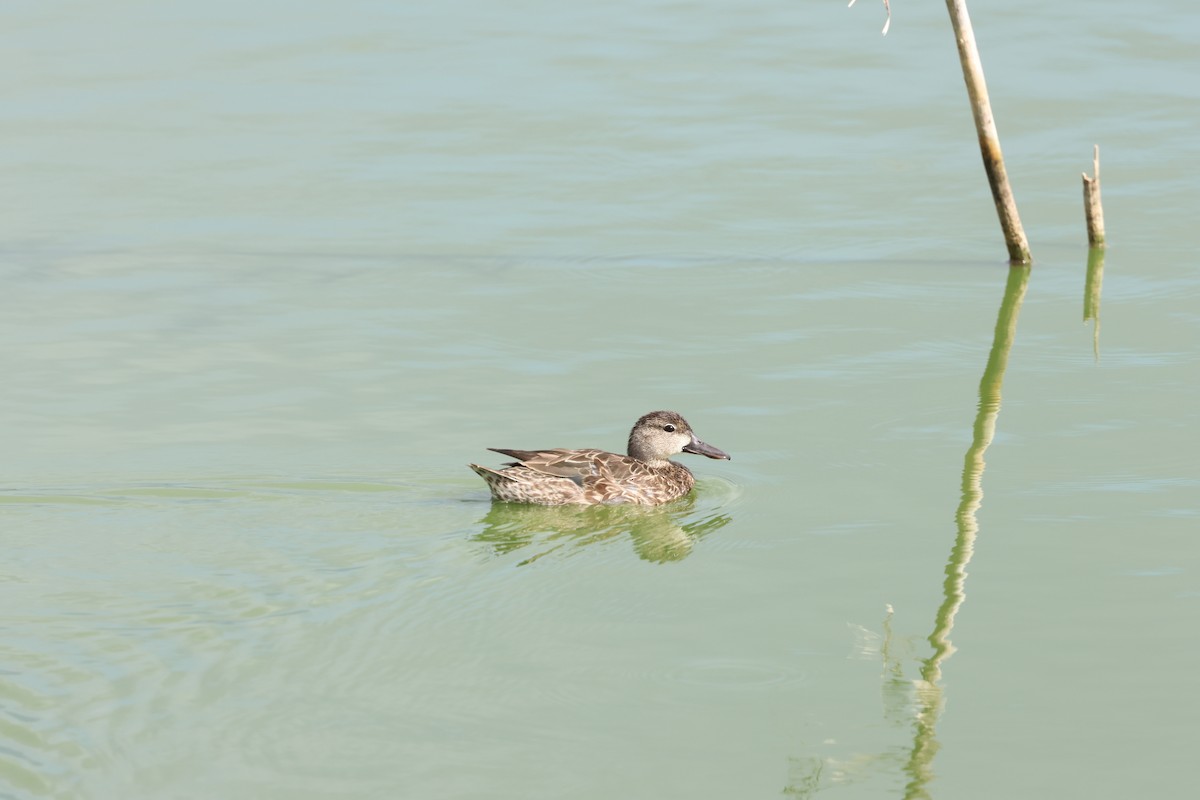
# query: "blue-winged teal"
{"type": "Point", "coordinates": [645, 476]}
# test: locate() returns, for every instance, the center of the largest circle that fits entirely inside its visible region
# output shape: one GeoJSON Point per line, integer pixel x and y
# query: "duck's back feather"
{"type": "Point", "coordinates": [559, 476]}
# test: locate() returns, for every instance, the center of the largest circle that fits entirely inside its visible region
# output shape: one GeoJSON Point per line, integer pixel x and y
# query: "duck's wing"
{"type": "Point", "coordinates": [577, 465]}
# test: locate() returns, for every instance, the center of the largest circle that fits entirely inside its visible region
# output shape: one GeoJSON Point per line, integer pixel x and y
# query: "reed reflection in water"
{"type": "Point", "coordinates": [924, 697]}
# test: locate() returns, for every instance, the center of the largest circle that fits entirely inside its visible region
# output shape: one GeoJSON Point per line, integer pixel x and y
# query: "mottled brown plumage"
{"type": "Point", "coordinates": [645, 476]}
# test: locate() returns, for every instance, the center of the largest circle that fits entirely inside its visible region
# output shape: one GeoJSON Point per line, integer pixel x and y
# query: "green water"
{"type": "Point", "coordinates": [270, 282]}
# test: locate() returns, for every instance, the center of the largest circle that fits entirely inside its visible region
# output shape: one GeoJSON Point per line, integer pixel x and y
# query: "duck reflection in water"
{"type": "Point", "coordinates": [659, 534]}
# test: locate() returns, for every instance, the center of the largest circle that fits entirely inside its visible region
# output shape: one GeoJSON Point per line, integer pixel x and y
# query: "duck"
{"type": "Point", "coordinates": [645, 476]}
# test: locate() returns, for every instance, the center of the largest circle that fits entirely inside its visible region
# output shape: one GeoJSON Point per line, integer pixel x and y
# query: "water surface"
{"type": "Point", "coordinates": [273, 276]}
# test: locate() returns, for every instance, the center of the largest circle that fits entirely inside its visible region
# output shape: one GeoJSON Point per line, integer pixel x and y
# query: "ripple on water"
{"type": "Point", "coordinates": [717, 493]}
{"type": "Point", "coordinates": [735, 674]}
{"type": "Point", "coordinates": [306, 638]}
{"type": "Point", "coordinates": [1117, 483]}
{"type": "Point", "coordinates": [40, 756]}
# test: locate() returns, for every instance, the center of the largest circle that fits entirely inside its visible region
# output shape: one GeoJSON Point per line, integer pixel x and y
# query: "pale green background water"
{"type": "Point", "coordinates": [273, 273]}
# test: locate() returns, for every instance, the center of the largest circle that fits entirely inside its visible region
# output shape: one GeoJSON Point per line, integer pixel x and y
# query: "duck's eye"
{"type": "Point", "coordinates": [669, 428]}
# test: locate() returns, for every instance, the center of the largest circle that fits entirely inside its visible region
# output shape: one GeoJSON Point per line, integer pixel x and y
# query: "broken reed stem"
{"type": "Point", "coordinates": [989, 140]}
{"type": "Point", "coordinates": [1092, 208]}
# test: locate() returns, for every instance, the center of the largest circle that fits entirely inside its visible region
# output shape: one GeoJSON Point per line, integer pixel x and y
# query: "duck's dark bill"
{"type": "Point", "coordinates": [701, 449]}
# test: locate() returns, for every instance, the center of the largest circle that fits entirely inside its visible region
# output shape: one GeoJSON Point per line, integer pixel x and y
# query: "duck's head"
{"type": "Point", "coordinates": [661, 434]}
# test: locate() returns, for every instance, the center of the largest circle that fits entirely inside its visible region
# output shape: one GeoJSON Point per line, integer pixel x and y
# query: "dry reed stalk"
{"type": "Point", "coordinates": [989, 140]}
{"type": "Point", "coordinates": [1091, 202]}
